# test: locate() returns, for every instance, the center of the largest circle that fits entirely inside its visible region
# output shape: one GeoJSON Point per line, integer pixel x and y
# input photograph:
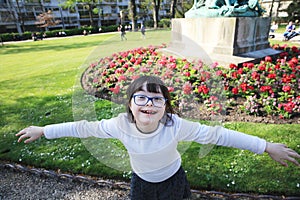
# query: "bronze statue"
{"type": "Point", "coordinates": [225, 8]}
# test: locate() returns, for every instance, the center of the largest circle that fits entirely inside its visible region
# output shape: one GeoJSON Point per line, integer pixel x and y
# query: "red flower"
{"type": "Point", "coordinates": [234, 75]}
{"type": "Point", "coordinates": [203, 89]}
{"type": "Point", "coordinates": [294, 60]}
{"type": "Point", "coordinates": [188, 74]}
{"type": "Point", "coordinates": [240, 71]}
{"type": "Point", "coordinates": [295, 49]}
{"type": "Point", "coordinates": [286, 78]}
{"type": "Point", "coordinates": [116, 89]}
{"type": "Point", "coordinates": [286, 88]}
{"type": "Point", "coordinates": [235, 90]}
{"type": "Point", "coordinates": [262, 67]}
{"type": "Point", "coordinates": [272, 76]}
{"type": "Point", "coordinates": [248, 65]}
{"type": "Point", "coordinates": [244, 87]}
{"type": "Point", "coordinates": [255, 76]}
{"type": "Point", "coordinates": [132, 60]}
{"type": "Point", "coordinates": [266, 88]}
{"type": "Point", "coordinates": [288, 107]}
{"type": "Point", "coordinates": [232, 66]}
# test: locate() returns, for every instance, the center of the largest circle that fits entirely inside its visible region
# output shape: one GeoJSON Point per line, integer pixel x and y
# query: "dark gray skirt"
{"type": "Point", "coordinates": [174, 188]}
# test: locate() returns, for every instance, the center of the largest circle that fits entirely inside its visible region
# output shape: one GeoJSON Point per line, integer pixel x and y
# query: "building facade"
{"type": "Point", "coordinates": [21, 15]}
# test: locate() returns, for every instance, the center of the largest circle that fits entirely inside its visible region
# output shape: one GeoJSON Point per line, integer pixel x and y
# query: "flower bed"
{"type": "Point", "coordinates": [268, 89]}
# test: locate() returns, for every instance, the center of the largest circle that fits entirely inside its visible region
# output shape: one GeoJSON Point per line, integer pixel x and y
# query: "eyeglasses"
{"type": "Point", "coordinates": [142, 100]}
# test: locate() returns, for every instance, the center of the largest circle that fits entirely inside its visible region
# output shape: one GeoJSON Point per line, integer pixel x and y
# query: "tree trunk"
{"type": "Point", "coordinates": [173, 8]}
{"type": "Point", "coordinates": [132, 10]}
{"type": "Point", "coordinates": [156, 5]}
{"type": "Point", "coordinates": [91, 14]}
{"type": "Point", "coordinates": [271, 9]}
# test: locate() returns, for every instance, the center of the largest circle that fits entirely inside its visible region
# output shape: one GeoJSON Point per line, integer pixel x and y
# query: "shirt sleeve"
{"type": "Point", "coordinates": [194, 131]}
{"type": "Point", "coordinates": [82, 129]}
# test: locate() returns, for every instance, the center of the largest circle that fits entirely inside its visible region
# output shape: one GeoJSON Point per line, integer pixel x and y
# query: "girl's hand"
{"type": "Point", "coordinates": [32, 132]}
{"type": "Point", "coordinates": [281, 153]}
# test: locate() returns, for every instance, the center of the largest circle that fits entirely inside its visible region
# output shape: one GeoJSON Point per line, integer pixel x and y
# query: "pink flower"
{"type": "Point", "coordinates": [255, 76]}
{"type": "Point", "coordinates": [144, 69]}
{"type": "Point", "coordinates": [122, 78]}
{"type": "Point", "coordinates": [268, 59]}
{"type": "Point", "coordinates": [119, 71]}
{"type": "Point", "coordinates": [131, 69]}
{"type": "Point", "coordinates": [187, 88]}
{"type": "Point", "coordinates": [171, 89]}
{"type": "Point", "coordinates": [112, 64]}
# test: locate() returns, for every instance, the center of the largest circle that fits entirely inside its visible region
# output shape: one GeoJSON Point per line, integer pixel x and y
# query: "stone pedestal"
{"type": "Point", "coordinates": [223, 40]}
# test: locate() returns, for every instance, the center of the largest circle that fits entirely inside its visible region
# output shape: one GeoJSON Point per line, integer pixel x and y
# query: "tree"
{"type": "Point", "coordinates": [87, 4]}
{"type": "Point", "coordinates": [293, 10]}
{"type": "Point", "coordinates": [46, 19]}
{"type": "Point", "coordinates": [182, 7]}
{"type": "Point", "coordinates": [132, 13]}
{"type": "Point", "coordinates": [156, 5]}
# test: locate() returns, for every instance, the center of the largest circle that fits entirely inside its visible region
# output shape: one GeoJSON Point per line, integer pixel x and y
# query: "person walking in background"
{"type": "Point", "coordinates": [150, 131]}
{"type": "Point", "coordinates": [143, 31]}
{"type": "Point", "coordinates": [123, 32]}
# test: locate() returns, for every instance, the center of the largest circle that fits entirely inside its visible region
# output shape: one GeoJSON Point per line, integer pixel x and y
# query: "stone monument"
{"type": "Point", "coordinates": [209, 33]}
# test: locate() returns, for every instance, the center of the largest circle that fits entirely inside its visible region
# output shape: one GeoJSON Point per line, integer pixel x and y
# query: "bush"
{"type": "Point", "coordinates": [164, 23]}
{"type": "Point", "coordinates": [54, 33]}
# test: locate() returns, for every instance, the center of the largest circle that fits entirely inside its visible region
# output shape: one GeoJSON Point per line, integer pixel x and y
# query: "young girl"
{"type": "Point", "coordinates": [150, 131]}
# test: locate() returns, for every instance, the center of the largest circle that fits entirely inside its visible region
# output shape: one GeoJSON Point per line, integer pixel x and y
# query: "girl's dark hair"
{"type": "Point", "coordinates": [154, 85]}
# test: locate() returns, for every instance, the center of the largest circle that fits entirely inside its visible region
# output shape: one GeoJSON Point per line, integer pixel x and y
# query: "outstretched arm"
{"type": "Point", "coordinates": [281, 153]}
{"type": "Point", "coordinates": [32, 133]}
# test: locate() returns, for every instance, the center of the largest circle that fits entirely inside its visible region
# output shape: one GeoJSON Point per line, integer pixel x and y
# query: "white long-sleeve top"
{"type": "Point", "coordinates": [154, 157]}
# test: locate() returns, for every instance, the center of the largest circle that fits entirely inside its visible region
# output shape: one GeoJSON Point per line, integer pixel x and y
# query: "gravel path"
{"type": "Point", "coordinates": [20, 184]}
{"type": "Point", "coordinates": [25, 186]}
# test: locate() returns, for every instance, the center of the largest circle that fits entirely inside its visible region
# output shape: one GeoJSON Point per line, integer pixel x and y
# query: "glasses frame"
{"type": "Point", "coordinates": [149, 99]}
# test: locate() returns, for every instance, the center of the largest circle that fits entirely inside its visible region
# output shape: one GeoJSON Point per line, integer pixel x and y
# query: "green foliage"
{"type": "Point", "coordinates": [164, 23]}
{"type": "Point", "coordinates": [54, 33]}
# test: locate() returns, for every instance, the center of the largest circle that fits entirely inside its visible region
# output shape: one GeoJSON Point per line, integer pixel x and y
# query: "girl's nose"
{"type": "Point", "coordinates": [149, 103]}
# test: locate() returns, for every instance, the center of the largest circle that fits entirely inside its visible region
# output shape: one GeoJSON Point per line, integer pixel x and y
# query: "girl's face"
{"type": "Point", "coordinates": [147, 116]}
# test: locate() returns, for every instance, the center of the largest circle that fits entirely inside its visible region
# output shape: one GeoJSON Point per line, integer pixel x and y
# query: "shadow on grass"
{"type": "Point", "coordinates": [68, 44]}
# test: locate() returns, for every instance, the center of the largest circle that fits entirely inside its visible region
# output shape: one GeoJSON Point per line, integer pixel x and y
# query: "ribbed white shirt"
{"type": "Point", "coordinates": [154, 157]}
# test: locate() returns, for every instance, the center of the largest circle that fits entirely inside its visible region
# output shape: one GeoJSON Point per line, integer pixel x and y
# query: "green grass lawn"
{"type": "Point", "coordinates": [37, 82]}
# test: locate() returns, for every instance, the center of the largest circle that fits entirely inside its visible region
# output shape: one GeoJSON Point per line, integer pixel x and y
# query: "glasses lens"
{"type": "Point", "coordinates": [158, 101]}
{"type": "Point", "coordinates": [142, 100]}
